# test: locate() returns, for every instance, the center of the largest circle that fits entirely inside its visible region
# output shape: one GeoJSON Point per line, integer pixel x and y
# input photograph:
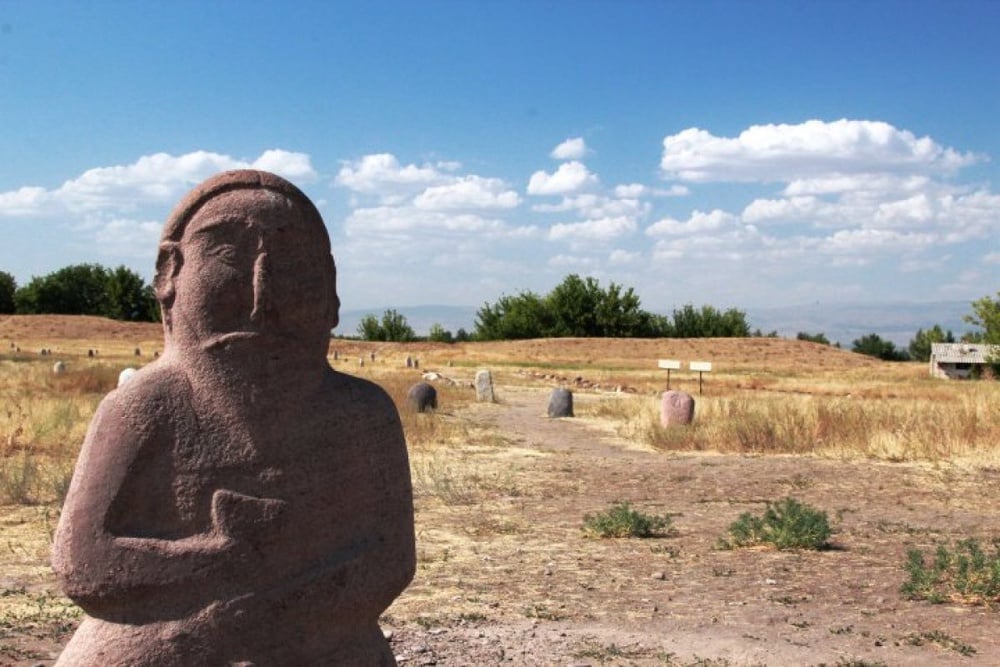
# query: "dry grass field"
{"type": "Point", "coordinates": [507, 574]}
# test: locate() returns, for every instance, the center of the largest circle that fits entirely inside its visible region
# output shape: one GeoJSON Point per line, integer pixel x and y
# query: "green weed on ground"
{"type": "Point", "coordinates": [965, 573]}
{"type": "Point", "coordinates": [620, 520]}
{"type": "Point", "coordinates": [785, 524]}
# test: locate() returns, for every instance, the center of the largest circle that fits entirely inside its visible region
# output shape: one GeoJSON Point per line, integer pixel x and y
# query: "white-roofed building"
{"type": "Point", "coordinates": [960, 360]}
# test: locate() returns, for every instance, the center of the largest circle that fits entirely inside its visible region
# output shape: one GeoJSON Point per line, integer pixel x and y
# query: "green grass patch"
{"type": "Point", "coordinates": [785, 524]}
{"type": "Point", "coordinates": [966, 573]}
{"type": "Point", "coordinates": [620, 520]}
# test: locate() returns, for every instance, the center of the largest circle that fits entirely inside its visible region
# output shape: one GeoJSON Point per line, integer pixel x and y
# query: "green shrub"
{"type": "Point", "coordinates": [786, 524]}
{"type": "Point", "coordinates": [964, 574]}
{"type": "Point", "coordinates": [623, 521]}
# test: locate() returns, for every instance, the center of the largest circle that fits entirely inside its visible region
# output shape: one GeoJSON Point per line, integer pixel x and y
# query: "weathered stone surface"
{"type": "Point", "coordinates": [484, 386]}
{"type": "Point", "coordinates": [422, 397]}
{"type": "Point", "coordinates": [676, 408]}
{"type": "Point", "coordinates": [238, 501]}
{"type": "Point", "coordinates": [561, 403]}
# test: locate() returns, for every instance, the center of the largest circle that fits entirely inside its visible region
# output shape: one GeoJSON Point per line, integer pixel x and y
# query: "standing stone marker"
{"type": "Point", "coordinates": [422, 397]}
{"type": "Point", "coordinates": [484, 386]}
{"type": "Point", "coordinates": [125, 375]}
{"type": "Point", "coordinates": [561, 403]}
{"type": "Point", "coordinates": [677, 407]}
{"type": "Point", "coordinates": [239, 502]}
{"type": "Point", "coordinates": [59, 367]}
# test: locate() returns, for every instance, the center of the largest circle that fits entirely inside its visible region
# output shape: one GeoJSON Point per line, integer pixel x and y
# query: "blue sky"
{"type": "Point", "coordinates": [739, 154]}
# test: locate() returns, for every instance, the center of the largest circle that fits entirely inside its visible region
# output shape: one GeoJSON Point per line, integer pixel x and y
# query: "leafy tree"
{"type": "Point", "coordinates": [576, 307]}
{"type": "Point", "coordinates": [438, 334]}
{"type": "Point", "coordinates": [812, 338]}
{"type": "Point", "coordinates": [708, 322]}
{"type": "Point", "coordinates": [920, 344]}
{"type": "Point", "coordinates": [514, 318]}
{"type": "Point", "coordinates": [573, 305]}
{"type": "Point", "coordinates": [369, 328]}
{"type": "Point", "coordinates": [392, 327]}
{"type": "Point", "coordinates": [129, 298]}
{"type": "Point", "coordinates": [873, 345]}
{"type": "Point", "coordinates": [396, 328]}
{"type": "Point", "coordinates": [80, 289]}
{"type": "Point", "coordinates": [8, 286]}
{"type": "Point", "coordinates": [89, 289]}
{"type": "Point", "coordinates": [986, 316]}
{"type": "Point", "coordinates": [462, 336]}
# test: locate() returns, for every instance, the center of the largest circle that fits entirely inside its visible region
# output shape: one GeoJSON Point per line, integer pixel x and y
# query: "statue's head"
{"type": "Point", "coordinates": [246, 255]}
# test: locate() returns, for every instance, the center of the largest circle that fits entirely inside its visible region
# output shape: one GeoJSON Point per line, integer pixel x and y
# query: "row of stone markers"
{"type": "Point", "coordinates": [422, 397]}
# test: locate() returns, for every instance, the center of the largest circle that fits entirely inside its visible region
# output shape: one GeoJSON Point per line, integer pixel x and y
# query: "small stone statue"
{"type": "Point", "coordinates": [239, 502]}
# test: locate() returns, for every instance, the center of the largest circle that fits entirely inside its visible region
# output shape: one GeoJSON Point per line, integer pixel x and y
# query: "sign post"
{"type": "Point", "coordinates": [669, 365]}
{"type": "Point", "coordinates": [701, 367]}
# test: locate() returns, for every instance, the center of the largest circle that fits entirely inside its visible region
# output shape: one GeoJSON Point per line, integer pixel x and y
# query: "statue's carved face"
{"type": "Point", "coordinates": [251, 267]}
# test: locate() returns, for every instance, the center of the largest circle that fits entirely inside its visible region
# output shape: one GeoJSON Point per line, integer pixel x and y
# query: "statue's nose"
{"type": "Point", "coordinates": [261, 289]}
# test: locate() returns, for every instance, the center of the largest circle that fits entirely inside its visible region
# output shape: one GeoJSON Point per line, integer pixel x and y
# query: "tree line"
{"type": "Point", "coordinates": [577, 307]}
{"type": "Point", "coordinates": [82, 289]}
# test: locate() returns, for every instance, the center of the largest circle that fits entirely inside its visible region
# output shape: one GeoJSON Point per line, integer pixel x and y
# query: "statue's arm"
{"type": "Point", "coordinates": [376, 566]}
{"type": "Point", "coordinates": [99, 569]}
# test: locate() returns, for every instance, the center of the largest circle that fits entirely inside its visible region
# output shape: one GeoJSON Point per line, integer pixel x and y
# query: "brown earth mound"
{"type": "Point", "coordinates": [76, 327]}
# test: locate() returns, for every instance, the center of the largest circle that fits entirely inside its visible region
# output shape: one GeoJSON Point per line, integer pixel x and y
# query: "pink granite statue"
{"type": "Point", "coordinates": [238, 502]}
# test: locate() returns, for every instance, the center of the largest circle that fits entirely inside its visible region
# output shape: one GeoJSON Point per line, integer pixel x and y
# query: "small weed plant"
{"type": "Point", "coordinates": [620, 520]}
{"type": "Point", "coordinates": [965, 573]}
{"type": "Point", "coordinates": [785, 524]}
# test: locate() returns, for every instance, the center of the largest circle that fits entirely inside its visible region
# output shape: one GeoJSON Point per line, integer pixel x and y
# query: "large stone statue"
{"type": "Point", "coordinates": [238, 502]}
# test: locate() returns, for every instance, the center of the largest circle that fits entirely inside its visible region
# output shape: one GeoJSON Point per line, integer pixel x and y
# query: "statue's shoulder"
{"type": "Point", "coordinates": [358, 394]}
{"type": "Point", "coordinates": [155, 387]}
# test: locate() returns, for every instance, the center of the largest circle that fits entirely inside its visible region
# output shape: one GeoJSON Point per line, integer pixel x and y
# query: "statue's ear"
{"type": "Point", "coordinates": [168, 265]}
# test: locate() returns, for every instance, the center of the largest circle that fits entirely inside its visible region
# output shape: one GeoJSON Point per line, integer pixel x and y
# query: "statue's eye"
{"type": "Point", "coordinates": [225, 252]}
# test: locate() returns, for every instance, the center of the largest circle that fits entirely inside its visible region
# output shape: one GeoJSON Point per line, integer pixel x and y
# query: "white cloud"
{"type": "Point", "coordinates": [602, 229]}
{"type": "Point", "coordinates": [766, 153]}
{"type": "Point", "coordinates": [395, 220]}
{"type": "Point", "coordinates": [571, 149]}
{"type": "Point", "coordinates": [382, 174]}
{"type": "Point", "coordinates": [156, 179]}
{"type": "Point", "coordinates": [992, 258]}
{"type": "Point", "coordinates": [868, 182]}
{"type": "Point", "coordinates": [121, 237]}
{"type": "Point", "coordinates": [468, 192]}
{"type": "Point", "coordinates": [853, 242]}
{"type": "Point", "coordinates": [572, 262]}
{"type": "Point", "coordinates": [915, 210]}
{"type": "Point", "coordinates": [698, 223]}
{"type": "Point", "coordinates": [675, 190]}
{"type": "Point", "coordinates": [24, 201]}
{"type": "Point", "coordinates": [568, 178]}
{"type": "Point", "coordinates": [597, 206]}
{"type": "Point", "coordinates": [631, 190]}
{"type": "Point", "coordinates": [295, 167]}
{"type": "Point", "coordinates": [785, 210]}
{"type": "Point", "coordinates": [619, 257]}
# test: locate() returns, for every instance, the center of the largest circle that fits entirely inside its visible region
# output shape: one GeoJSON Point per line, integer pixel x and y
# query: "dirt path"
{"type": "Point", "coordinates": [551, 597]}
{"type": "Point", "coordinates": [506, 576]}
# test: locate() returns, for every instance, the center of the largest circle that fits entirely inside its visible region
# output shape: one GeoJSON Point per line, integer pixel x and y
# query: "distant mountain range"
{"type": "Point", "coordinates": [839, 322]}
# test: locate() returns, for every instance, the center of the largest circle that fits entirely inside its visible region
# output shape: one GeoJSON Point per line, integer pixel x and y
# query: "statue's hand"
{"type": "Point", "coordinates": [242, 517]}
